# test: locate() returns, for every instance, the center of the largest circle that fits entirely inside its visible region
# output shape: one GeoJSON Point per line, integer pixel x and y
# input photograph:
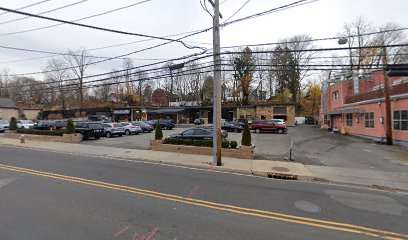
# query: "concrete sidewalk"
{"type": "Point", "coordinates": [280, 169]}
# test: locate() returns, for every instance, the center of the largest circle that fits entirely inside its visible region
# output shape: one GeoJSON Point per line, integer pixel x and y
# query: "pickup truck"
{"type": "Point", "coordinates": [89, 129]}
{"type": "Point", "coordinates": [268, 126]}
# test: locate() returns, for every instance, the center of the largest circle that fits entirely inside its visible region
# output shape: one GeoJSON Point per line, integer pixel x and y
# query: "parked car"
{"type": "Point", "coordinates": [113, 129]}
{"type": "Point", "coordinates": [131, 129]}
{"type": "Point", "coordinates": [236, 123]}
{"type": "Point", "coordinates": [279, 121]}
{"type": "Point", "coordinates": [50, 124]}
{"type": "Point", "coordinates": [89, 129]}
{"type": "Point", "coordinates": [249, 119]}
{"type": "Point", "coordinates": [167, 124]}
{"type": "Point", "coordinates": [151, 122]}
{"type": "Point", "coordinates": [199, 121]}
{"type": "Point", "coordinates": [25, 124]}
{"type": "Point", "coordinates": [268, 126]}
{"type": "Point", "coordinates": [144, 126]}
{"type": "Point", "coordinates": [229, 127]}
{"type": "Point", "coordinates": [197, 133]}
{"type": "Point", "coordinates": [4, 125]}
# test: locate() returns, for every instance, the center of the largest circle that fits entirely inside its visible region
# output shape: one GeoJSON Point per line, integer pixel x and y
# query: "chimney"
{"type": "Point", "coordinates": [355, 82]}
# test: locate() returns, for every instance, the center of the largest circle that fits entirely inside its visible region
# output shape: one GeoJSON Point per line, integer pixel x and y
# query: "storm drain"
{"type": "Point", "coordinates": [282, 176]}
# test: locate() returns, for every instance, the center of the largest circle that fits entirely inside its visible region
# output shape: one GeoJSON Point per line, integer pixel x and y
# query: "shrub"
{"type": "Point", "coordinates": [70, 127]}
{"type": "Point", "coordinates": [197, 143]}
{"type": "Point", "coordinates": [166, 141]}
{"type": "Point", "coordinates": [41, 132]}
{"type": "Point", "coordinates": [246, 136]}
{"type": "Point", "coordinates": [234, 144]}
{"type": "Point", "coordinates": [225, 144]}
{"type": "Point", "coordinates": [158, 135]}
{"type": "Point", "coordinates": [207, 143]}
{"type": "Point", "coordinates": [188, 142]}
{"type": "Point", "coordinates": [13, 124]}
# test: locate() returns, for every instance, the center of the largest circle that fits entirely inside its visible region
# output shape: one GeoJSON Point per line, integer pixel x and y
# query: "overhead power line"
{"type": "Point", "coordinates": [192, 33]}
{"type": "Point", "coordinates": [236, 12]}
{"type": "Point", "coordinates": [27, 6]}
{"type": "Point", "coordinates": [283, 7]}
{"type": "Point", "coordinates": [52, 10]}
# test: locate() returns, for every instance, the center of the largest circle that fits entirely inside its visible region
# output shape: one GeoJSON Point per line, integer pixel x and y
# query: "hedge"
{"type": "Point", "coordinates": [233, 144]}
{"type": "Point", "coordinates": [198, 143]}
{"type": "Point", "coordinates": [40, 132]}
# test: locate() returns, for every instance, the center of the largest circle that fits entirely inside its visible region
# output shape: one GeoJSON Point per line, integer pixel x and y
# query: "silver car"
{"type": "Point", "coordinates": [113, 129]}
{"type": "Point", "coordinates": [131, 129]}
{"type": "Point", "coordinates": [4, 125]}
{"type": "Point", "coordinates": [25, 124]}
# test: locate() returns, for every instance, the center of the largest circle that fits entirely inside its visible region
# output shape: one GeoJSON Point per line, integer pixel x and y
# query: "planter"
{"type": "Point", "coordinates": [243, 152]}
{"type": "Point", "coordinates": [66, 138]}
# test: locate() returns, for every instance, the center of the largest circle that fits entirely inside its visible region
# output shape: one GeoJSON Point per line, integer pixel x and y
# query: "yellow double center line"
{"type": "Point", "coordinates": [344, 227]}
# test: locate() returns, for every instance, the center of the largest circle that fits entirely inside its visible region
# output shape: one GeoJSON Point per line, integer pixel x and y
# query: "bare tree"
{"type": "Point", "coordinates": [127, 67]}
{"type": "Point", "coordinates": [78, 61]}
{"type": "Point", "coordinates": [57, 74]}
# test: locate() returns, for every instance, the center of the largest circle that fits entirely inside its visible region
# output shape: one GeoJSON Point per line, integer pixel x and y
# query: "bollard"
{"type": "Point", "coordinates": [22, 139]}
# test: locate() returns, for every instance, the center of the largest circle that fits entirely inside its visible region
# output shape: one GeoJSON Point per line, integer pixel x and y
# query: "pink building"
{"type": "Point", "coordinates": [356, 106]}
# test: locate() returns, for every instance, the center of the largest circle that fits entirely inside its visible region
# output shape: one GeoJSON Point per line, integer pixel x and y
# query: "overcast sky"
{"type": "Point", "coordinates": [323, 18]}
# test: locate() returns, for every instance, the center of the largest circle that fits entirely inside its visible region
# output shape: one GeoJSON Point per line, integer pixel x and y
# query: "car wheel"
{"type": "Point", "coordinates": [108, 135]}
{"type": "Point", "coordinates": [236, 130]}
{"type": "Point", "coordinates": [280, 131]}
{"type": "Point", "coordinates": [97, 137]}
{"type": "Point", "coordinates": [258, 130]}
{"type": "Point", "coordinates": [127, 132]}
{"type": "Point", "coordinates": [84, 137]}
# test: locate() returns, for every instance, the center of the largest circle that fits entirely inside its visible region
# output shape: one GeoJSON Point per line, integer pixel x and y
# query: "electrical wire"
{"type": "Point", "coordinates": [236, 12]}
{"type": "Point", "coordinates": [52, 10]}
{"type": "Point", "coordinates": [27, 6]}
{"type": "Point", "coordinates": [62, 22]}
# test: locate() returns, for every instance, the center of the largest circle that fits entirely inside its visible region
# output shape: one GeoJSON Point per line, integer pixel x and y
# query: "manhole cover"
{"type": "Point", "coordinates": [280, 169]}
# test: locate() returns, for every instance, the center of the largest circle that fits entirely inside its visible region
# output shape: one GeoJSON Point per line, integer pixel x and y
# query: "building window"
{"type": "Point", "coordinates": [349, 118]}
{"type": "Point", "coordinates": [401, 120]}
{"type": "Point", "coordinates": [326, 119]}
{"type": "Point", "coordinates": [335, 95]}
{"type": "Point", "coordinates": [369, 120]}
{"type": "Point", "coordinates": [280, 110]}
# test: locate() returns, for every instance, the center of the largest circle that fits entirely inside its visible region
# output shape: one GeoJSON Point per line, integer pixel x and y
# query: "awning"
{"type": "Point", "coordinates": [352, 110]}
{"type": "Point", "coordinates": [166, 111]}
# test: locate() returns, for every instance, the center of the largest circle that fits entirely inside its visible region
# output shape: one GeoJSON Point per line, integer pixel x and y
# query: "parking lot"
{"type": "Point", "coordinates": [311, 145]}
{"type": "Point", "coordinates": [267, 144]}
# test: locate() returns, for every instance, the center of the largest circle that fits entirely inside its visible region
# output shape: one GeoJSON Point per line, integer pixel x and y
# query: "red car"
{"type": "Point", "coordinates": [268, 126]}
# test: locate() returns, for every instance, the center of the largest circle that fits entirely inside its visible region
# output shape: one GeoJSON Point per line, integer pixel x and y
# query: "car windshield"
{"type": "Point", "coordinates": [27, 122]}
{"type": "Point", "coordinates": [3, 122]}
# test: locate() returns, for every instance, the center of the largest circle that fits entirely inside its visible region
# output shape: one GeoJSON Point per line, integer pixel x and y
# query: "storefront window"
{"type": "Point", "coordinates": [349, 119]}
{"type": "Point", "coordinates": [369, 120]}
{"type": "Point", "coordinates": [401, 120]}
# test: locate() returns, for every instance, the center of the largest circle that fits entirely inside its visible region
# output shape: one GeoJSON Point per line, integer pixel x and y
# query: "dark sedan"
{"type": "Point", "coordinates": [197, 133]}
{"type": "Point", "coordinates": [144, 126]}
{"type": "Point", "coordinates": [229, 127]}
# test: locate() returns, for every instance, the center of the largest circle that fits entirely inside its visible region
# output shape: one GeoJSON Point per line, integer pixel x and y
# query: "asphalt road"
{"type": "Point", "coordinates": [99, 198]}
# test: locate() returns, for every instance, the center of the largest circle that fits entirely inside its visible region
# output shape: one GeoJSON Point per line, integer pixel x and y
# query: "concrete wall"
{"type": "Point", "coordinates": [7, 113]}
{"type": "Point", "coordinates": [242, 152]}
{"type": "Point", "coordinates": [66, 138]}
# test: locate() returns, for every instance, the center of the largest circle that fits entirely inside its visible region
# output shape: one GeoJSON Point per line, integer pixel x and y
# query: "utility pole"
{"type": "Point", "coordinates": [388, 130]}
{"type": "Point", "coordinates": [217, 85]}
